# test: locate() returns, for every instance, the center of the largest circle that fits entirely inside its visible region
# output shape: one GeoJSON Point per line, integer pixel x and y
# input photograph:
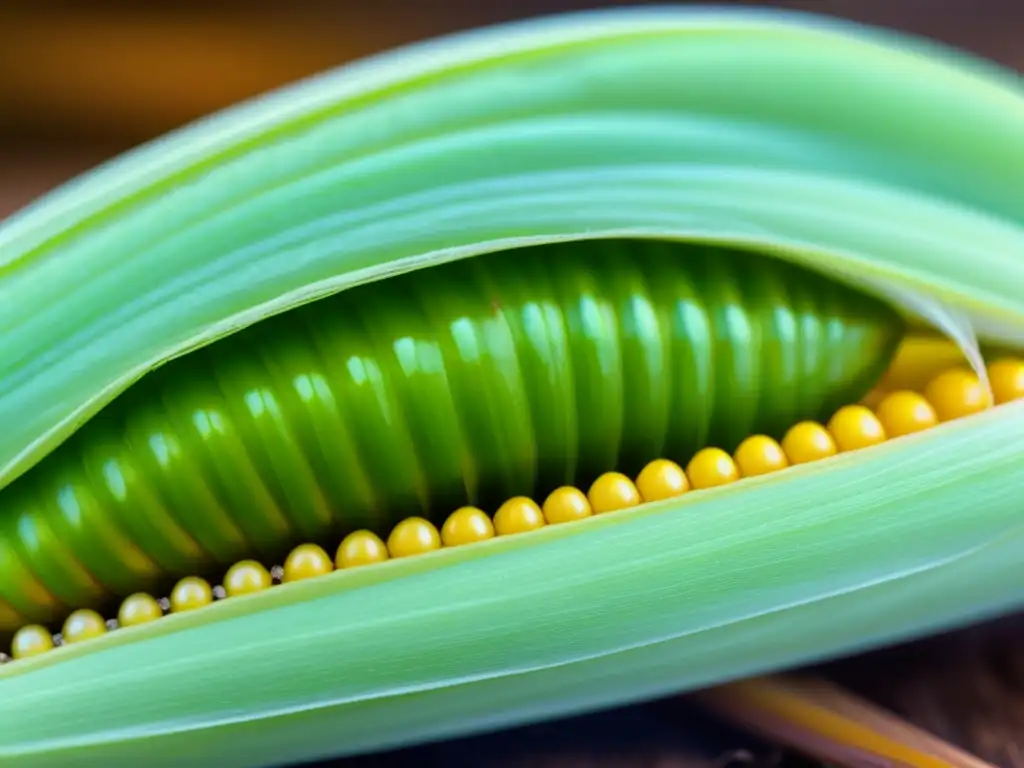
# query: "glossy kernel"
{"type": "Point", "coordinates": [190, 593]}
{"type": "Point", "coordinates": [139, 608]}
{"type": "Point", "coordinates": [661, 479]}
{"type": "Point", "coordinates": [566, 504]}
{"type": "Point", "coordinates": [1007, 379]}
{"type": "Point", "coordinates": [246, 577]}
{"type": "Point", "coordinates": [760, 455]}
{"type": "Point", "coordinates": [854, 427]}
{"type": "Point", "coordinates": [905, 412]}
{"type": "Point", "coordinates": [305, 562]}
{"type": "Point", "coordinates": [83, 624]}
{"type": "Point", "coordinates": [413, 536]}
{"type": "Point", "coordinates": [956, 393]}
{"type": "Point", "coordinates": [612, 491]}
{"type": "Point", "coordinates": [518, 515]}
{"type": "Point", "coordinates": [808, 441]}
{"type": "Point", "coordinates": [360, 548]}
{"type": "Point", "coordinates": [31, 640]}
{"type": "Point", "coordinates": [466, 525]}
{"type": "Point", "coordinates": [711, 467]}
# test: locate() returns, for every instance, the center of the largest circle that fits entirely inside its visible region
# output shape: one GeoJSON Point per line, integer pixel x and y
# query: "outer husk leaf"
{"type": "Point", "coordinates": [830, 144]}
{"type": "Point", "coordinates": [819, 143]}
{"type": "Point", "coordinates": [875, 546]}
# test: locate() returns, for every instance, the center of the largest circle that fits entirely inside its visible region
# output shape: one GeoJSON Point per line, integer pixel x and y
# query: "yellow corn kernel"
{"type": "Point", "coordinates": [246, 577]}
{"type": "Point", "coordinates": [759, 455]}
{"type": "Point", "coordinates": [808, 441]}
{"type": "Point", "coordinates": [31, 640]}
{"type": "Point", "coordinates": [905, 412]}
{"type": "Point", "coordinates": [139, 608]}
{"type": "Point", "coordinates": [662, 479]}
{"type": "Point", "coordinates": [82, 625]}
{"type": "Point", "coordinates": [413, 536]}
{"type": "Point", "coordinates": [466, 525]}
{"type": "Point", "coordinates": [710, 468]}
{"type": "Point", "coordinates": [305, 562]}
{"type": "Point", "coordinates": [1006, 377]}
{"type": "Point", "coordinates": [190, 593]}
{"type": "Point", "coordinates": [612, 491]}
{"type": "Point", "coordinates": [518, 515]}
{"type": "Point", "coordinates": [955, 393]}
{"type": "Point", "coordinates": [360, 548]}
{"type": "Point", "coordinates": [565, 504]}
{"type": "Point", "coordinates": [854, 427]}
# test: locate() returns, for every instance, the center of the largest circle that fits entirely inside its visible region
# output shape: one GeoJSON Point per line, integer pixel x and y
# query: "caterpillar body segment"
{"type": "Point", "coordinates": [898, 413]}
{"type": "Point", "coordinates": [851, 428]}
{"type": "Point", "coordinates": [274, 618]}
{"type": "Point", "coordinates": [508, 375]}
{"type": "Point", "coordinates": [274, 499]}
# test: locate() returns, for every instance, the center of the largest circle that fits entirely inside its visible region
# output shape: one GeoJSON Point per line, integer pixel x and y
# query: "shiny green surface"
{"type": "Point", "coordinates": [881, 161]}
{"type": "Point", "coordinates": [874, 157]}
{"type": "Point", "coordinates": [466, 383]}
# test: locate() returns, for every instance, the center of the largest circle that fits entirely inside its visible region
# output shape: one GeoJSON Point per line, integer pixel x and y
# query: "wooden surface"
{"type": "Point", "coordinates": [966, 686]}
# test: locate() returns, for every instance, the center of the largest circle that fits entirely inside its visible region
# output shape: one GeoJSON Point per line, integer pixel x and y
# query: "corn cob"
{"type": "Point", "coordinates": [387, 313]}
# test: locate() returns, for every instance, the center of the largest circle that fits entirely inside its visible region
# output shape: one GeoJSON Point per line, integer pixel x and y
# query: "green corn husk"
{"type": "Point", "coordinates": [881, 161]}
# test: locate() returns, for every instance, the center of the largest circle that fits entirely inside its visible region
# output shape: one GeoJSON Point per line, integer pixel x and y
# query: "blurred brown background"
{"type": "Point", "coordinates": [80, 81]}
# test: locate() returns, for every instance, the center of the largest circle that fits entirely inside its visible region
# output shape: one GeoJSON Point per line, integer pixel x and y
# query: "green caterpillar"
{"type": "Point", "coordinates": [480, 380]}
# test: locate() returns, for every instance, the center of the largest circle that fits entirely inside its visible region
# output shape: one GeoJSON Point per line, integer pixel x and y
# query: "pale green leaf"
{"type": "Point", "coordinates": [890, 165]}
